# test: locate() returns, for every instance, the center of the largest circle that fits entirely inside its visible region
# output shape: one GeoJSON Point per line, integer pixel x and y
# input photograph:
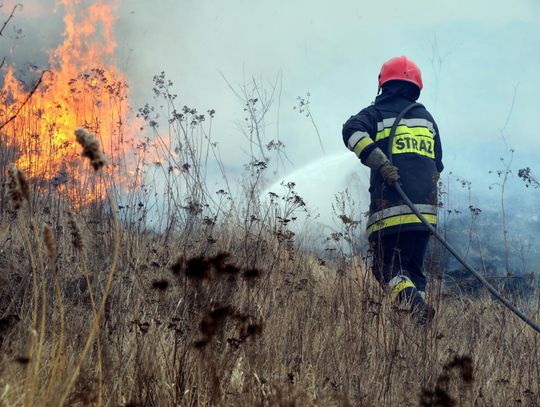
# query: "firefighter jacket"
{"type": "Point", "coordinates": [416, 151]}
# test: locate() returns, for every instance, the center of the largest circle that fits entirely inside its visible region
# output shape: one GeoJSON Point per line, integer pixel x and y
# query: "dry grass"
{"type": "Point", "coordinates": [224, 307]}
{"type": "Point", "coordinates": [237, 322]}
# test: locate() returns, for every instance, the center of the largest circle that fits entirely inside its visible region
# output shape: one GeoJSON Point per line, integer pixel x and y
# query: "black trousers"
{"type": "Point", "coordinates": [400, 254]}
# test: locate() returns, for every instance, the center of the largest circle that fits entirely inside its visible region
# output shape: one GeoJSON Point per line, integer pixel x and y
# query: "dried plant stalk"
{"type": "Point", "coordinates": [18, 187]}
{"type": "Point", "coordinates": [76, 236]}
{"type": "Point", "coordinates": [50, 245]}
{"type": "Point", "coordinates": [91, 149]}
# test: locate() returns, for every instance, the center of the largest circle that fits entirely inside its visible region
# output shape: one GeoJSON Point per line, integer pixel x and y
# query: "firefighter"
{"type": "Point", "coordinates": [397, 238]}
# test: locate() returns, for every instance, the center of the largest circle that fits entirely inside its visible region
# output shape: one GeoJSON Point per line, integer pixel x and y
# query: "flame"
{"type": "Point", "coordinates": [82, 88]}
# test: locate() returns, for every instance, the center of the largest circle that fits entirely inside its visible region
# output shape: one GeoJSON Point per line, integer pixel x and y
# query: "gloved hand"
{"type": "Point", "coordinates": [389, 173]}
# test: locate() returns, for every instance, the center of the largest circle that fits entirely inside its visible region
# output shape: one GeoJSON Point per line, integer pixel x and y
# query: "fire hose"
{"type": "Point", "coordinates": [450, 248]}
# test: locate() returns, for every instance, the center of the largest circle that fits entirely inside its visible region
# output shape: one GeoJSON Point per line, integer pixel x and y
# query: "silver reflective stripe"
{"type": "Point", "coordinates": [396, 280]}
{"type": "Point", "coordinates": [355, 138]}
{"type": "Point", "coordinates": [386, 123]}
{"type": "Point", "coordinates": [399, 210]}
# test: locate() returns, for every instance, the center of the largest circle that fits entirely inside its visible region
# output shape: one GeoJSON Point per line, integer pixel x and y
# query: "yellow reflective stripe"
{"type": "Point", "coordinates": [400, 210]}
{"type": "Point", "coordinates": [355, 138]}
{"type": "Point", "coordinates": [400, 220]}
{"type": "Point", "coordinates": [400, 287]}
{"type": "Point", "coordinates": [407, 143]}
{"type": "Point", "coordinates": [361, 145]}
{"type": "Point", "coordinates": [413, 131]}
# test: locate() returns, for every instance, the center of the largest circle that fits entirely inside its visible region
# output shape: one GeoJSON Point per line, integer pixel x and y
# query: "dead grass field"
{"type": "Point", "coordinates": [225, 306]}
{"type": "Point", "coordinates": [238, 319]}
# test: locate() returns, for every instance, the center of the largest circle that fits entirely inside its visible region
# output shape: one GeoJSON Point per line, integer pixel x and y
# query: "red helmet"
{"type": "Point", "coordinates": [400, 68]}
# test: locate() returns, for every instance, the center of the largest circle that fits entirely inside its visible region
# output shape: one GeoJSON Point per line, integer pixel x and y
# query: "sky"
{"type": "Point", "coordinates": [473, 57]}
{"type": "Point", "coordinates": [479, 62]}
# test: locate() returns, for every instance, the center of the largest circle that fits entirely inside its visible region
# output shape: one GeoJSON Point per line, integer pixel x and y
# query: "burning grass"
{"type": "Point", "coordinates": [80, 88]}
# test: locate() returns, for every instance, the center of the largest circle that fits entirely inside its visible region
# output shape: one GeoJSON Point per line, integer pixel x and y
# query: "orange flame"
{"type": "Point", "coordinates": [83, 88]}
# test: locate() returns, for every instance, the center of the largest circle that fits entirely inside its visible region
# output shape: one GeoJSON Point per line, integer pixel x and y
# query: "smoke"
{"type": "Point", "coordinates": [481, 87]}
{"type": "Point", "coordinates": [333, 52]}
{"type": "Point", "coordinates": [494, 222]}
{"type": "Point", "coordinates": [35, 29]}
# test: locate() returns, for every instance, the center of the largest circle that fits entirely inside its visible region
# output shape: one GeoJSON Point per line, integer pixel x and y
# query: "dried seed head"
{"type": "Point", "coordinates": [50, 244]}
{"type": "Point", "coordinates": [90, 145]}
{"type": "Point", "coordinates": [254, 329]}
{"type": "Point", "coordinates": [198, 268]}
{"type": "Point", "coordinates": [23, 360]}
{"type": "Point", "coordinates": [76, 237]}
{"type": "Point", "coordinates": [178, 266]}
{"type": "Point", "coordinates": [160, 285]}
{"type": "Point", "coordinates": [18, 188]}
{"type": "Point", "coordinates": [25, 187]}
{"type": "Point", "coordinates": [252, 274]}
{"type": "Point", "coordinates": [50, 241]}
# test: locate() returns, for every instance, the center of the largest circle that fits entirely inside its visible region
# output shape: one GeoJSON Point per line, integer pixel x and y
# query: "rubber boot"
{"type": "Point", "coordinates": [421, 312]}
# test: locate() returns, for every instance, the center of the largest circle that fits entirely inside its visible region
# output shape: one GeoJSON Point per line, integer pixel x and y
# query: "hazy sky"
{"type": "Point", "coordinates": [474, 55]}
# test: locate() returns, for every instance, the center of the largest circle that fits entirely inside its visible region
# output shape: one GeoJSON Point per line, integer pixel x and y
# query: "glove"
{"type": "Point", "coordinates": [378, 161]}
{"type": "Point", "coordinates": [389, 173]}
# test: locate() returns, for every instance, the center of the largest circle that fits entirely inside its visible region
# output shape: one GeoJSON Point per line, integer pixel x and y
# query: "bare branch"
{"type": "Point", "coordinates": [231, 87]}
{"type": "Point", "coordinates": [9, 18]}
{"type": "Point", "coordinates": [510, 111]}
{"type": "Point", "coordinates": [34, 89]}
{"type": "Point", "coordinates": [303, 108]}
{"type": "Point", "coordinates": [3, 62]}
